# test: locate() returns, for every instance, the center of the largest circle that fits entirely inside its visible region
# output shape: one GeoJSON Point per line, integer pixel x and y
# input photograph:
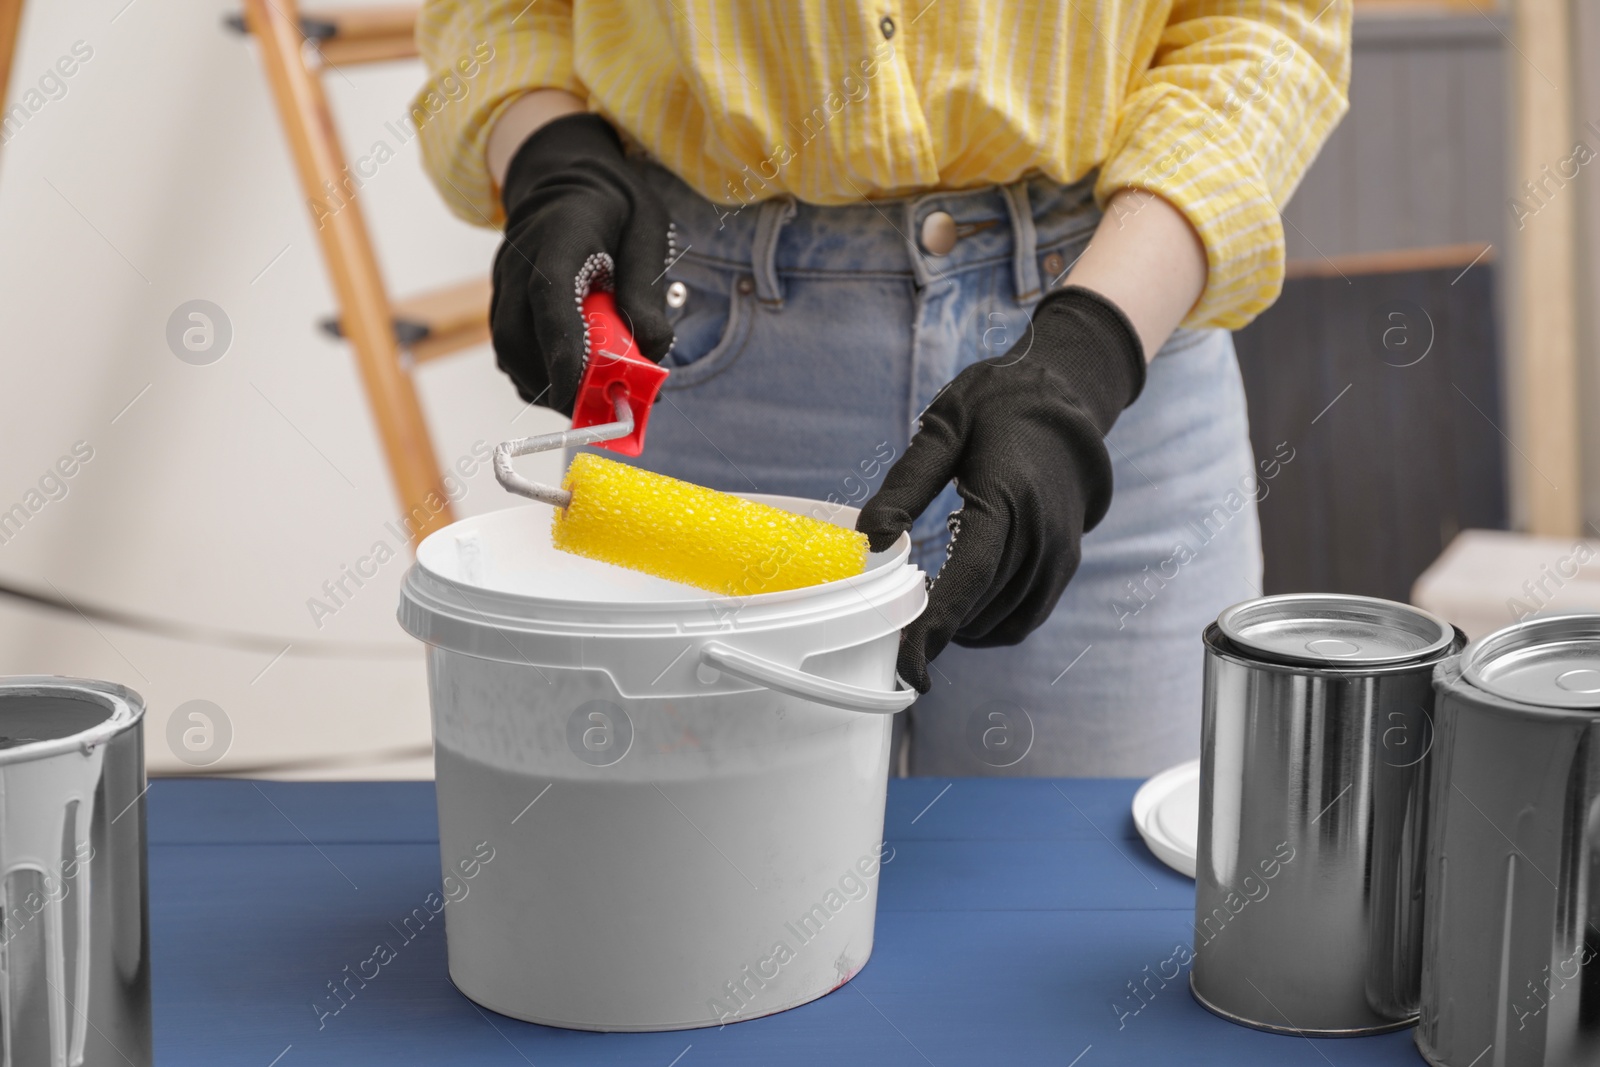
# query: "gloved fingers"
{"type": "Point", "coordinates": [641, 283]}
{"type": "Point", "coordinates": [911, 484]}
{"type": "Point", "coordinates": [911, 664]}
{"type": "Point", "coordinates": [557, 323]}
{"type": "Point", "coordinates": [964, 584]}
{"type": "Point", "coordinates": [516, 345]}
{"type": "Point", "coordinates": [1024, 597]}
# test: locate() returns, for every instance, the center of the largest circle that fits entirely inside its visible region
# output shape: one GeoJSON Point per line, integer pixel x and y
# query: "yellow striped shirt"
{"type": "Point", "coordinates": [1216, 105]}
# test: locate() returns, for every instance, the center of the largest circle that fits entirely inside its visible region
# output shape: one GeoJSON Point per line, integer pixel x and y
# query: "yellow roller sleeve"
{"type": "Point", "coordinates": [685, 533]}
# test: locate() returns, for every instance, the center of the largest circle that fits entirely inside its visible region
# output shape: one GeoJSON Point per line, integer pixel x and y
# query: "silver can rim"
{"type": "Point", "coordinates": [1391, 1026]}
{"type": "Point", "coordinates": [1437, 634]}
{"type": "Point", "coordinates": [126, 711]}
{"type": "Point", "coordinates": [1494, 648]}
{"type": "Point", "coordinates": [1218, 645]}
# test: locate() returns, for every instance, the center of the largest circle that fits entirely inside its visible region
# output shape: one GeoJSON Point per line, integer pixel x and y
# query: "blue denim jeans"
{"type": "Point", "coordinates": [809, 340]}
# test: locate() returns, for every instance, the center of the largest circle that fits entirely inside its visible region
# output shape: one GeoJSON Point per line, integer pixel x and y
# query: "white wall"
{"type": "Point", "coordinates": [226, 494]}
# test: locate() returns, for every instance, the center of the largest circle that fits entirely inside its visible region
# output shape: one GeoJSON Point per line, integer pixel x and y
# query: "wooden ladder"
{"type": "Point", "coordinates": [389, 337]}
{"type": "Point", "coordinates": [10, 28]}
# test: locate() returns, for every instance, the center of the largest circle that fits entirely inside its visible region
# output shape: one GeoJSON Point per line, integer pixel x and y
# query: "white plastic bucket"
{"type": "Point", "coordinates": [658, 808]}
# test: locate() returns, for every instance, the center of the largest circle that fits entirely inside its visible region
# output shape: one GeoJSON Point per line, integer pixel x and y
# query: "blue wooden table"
{"type": "Point", "coordinates": [1016, 919]}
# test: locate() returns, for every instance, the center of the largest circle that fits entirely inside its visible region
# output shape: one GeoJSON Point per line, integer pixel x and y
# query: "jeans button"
{"type": "Point", "coordinates": [1053, 266]}
{"type": "Point", "coordinates": [677, 295]}
{"type": "Point", "coordinates": [938, 233]}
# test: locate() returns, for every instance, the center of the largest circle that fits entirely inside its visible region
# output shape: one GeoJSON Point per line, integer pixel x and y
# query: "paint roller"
{"type": "Point", "coordinates": [619, 514]}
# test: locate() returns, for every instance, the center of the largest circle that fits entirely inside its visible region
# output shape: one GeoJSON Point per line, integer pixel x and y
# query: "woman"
{"type": "Point", "coordinates": [961, 236]}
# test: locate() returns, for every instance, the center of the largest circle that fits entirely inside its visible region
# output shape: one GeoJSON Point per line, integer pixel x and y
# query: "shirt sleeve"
{"type": "Point", "coordinates": [481, 55]}
{"type": "Point", "coordinates": [1239, 97]}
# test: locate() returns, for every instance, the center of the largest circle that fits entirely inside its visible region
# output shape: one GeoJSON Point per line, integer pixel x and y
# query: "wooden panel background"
{"type": "Point", "coordinates": [1420, 158]}
{"type": "Point", "coordinates": [1385, 477]}
{"type": "Point", "coordinates": [1586, 110]}
{"type": "Point", "coordinates": [1405, 456]}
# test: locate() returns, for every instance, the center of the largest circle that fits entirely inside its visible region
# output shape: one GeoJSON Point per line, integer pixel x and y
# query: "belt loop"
{"type": "Point", "coordinates": [1024, 241]}
{"type": "Point", "coordinates": [770, 220]}
{"type": "Point", "coordinates": [921, 267]}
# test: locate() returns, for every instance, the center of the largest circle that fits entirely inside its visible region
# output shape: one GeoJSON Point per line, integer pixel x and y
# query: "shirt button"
{"type": "Point", "coordinates": [1053, 266]}
{"type": "Point", "coordinates": [677, 295]}
{"type": "Point", "coordinates": [938, 233]}
{"type": "Point", "coordinates": [886, 24]}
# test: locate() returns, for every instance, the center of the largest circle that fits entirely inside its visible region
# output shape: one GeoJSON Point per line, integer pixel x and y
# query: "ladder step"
{"type": "Point", "coordinates": [387, 20]}
{"type": "Point", "coordinates": [355, 35]}
{"type": "Point", "coordinates": [346, 53]}
{"type": "Point", "coordinates": [437, 322]}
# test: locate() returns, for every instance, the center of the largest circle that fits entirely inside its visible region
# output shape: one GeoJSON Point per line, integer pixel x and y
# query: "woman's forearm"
{"type": "Point", "coordinates": [1146, 259]}
{"type": "Point", "coordinates": [517, 123]}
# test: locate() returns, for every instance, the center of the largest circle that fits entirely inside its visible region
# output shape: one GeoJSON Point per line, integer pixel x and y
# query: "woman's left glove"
{"type": "Point", "coordinates": [1023, 436]}
{"type": "Point", "coordinates": [577, 215]}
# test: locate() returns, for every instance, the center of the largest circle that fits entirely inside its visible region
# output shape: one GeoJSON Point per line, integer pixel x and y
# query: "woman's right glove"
{"type": "Point", "coordinates": [1023, 437]}
{"type": "Point", "coordinates": [577, 217]}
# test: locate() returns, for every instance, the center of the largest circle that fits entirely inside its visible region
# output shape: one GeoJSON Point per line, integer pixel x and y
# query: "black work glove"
{"type": "Point", "coordinates": [1023, 435]}
{"type": "Point", "coordinates": [577, 217]}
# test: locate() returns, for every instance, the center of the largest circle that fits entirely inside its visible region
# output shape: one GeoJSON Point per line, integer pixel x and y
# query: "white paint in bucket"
{"type": "Point", "coordinates": [686, 820]}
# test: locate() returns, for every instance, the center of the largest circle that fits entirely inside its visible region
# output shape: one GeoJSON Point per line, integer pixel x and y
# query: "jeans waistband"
{"type": "Point", "coordinates": [773, 237]}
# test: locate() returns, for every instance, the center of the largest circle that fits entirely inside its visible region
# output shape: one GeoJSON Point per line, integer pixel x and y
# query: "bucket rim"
{"type": "Point", "coordinates": [127, 709]}
{"type": "Point", "coordinates": [428, 591]}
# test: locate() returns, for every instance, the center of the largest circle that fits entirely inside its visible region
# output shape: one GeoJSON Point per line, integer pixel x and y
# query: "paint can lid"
{"type": "Point", "coordinates": [1333, 630]}
{"type": "Point", "coordinates": [1552, 661]}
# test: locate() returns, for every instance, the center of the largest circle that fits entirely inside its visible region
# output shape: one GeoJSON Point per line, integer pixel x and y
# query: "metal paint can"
{"type": "Point", "coordinates": [1511, 950]}
{"type": "Point", "coordinates": [1314, 769]}
{"type": "Point", "coordinates": [75, 938]}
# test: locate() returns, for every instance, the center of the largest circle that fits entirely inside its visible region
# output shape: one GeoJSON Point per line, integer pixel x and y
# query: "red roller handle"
{"type": "Point", "coordinates": [614, 363]}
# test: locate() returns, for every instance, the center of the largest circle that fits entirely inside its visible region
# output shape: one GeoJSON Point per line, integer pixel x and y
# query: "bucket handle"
{"type": "Point", "coordinates": [796, 683]}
